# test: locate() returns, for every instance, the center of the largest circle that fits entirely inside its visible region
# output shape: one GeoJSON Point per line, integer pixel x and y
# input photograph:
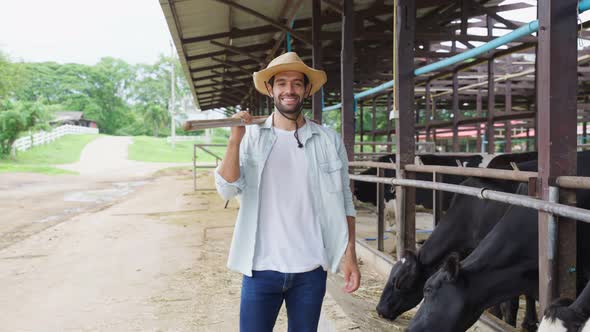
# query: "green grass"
{"type": "Point", "coordinates": [64, 150]}
{"type": "Point", "coordinates": [20, 168]}
{"type": "Point", "coordinates": [152, 149]}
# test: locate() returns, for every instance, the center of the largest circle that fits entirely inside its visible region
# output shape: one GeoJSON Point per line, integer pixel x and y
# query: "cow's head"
{"type": "Point", "coordinates": [445, 307]}
{"type": "Point", "coordinates": [403, 290]}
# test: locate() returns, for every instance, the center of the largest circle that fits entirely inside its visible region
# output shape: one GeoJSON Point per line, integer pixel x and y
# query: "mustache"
{"type": "Point", "coordinates": [290, 96]}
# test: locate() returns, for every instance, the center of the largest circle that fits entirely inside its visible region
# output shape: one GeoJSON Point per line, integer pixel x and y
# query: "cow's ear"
{"type": "Point", "coordinates": [452, 267]}
{"type": "Point", "coordinates": [408, 272]}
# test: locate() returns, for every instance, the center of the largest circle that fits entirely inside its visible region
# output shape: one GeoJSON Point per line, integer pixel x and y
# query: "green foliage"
{"type": "Point", "coordinates": [123, 99]}
{"type": "Point", "coordinates": [16, 117]}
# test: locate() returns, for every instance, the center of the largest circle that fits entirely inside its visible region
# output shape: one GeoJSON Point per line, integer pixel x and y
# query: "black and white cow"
{"type": "Point", "coordinates": [466, 223]}
{"type": "Point", "coordinates": [504, 265]}
{"type": "Point", "coordinates": [565, 315]}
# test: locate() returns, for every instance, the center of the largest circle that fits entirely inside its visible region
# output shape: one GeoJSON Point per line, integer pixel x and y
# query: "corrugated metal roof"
{"type": "Point", "coordinates": [200, 28]}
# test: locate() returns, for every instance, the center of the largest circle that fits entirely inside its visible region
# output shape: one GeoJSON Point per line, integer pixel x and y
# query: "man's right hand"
{"type": "Point", "coordinates": [237, 132]}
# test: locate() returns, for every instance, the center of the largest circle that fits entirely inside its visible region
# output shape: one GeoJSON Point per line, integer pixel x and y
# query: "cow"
{"type": "Point", "coordinates": [466, 223]}
{"type": "Point", "coordinates": [504, 265]}
{"type": "Point", "coordinates": [366, 192]}
{"type": "Point", "coordinates": [565, 315]}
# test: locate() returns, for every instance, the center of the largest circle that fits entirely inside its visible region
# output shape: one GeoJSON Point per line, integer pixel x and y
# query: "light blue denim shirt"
{"type": "Point", "coordinates": [332, 199]}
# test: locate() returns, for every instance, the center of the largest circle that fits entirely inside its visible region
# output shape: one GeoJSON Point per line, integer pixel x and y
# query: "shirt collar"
{"type": "Point", "coordinates": [305, 133]}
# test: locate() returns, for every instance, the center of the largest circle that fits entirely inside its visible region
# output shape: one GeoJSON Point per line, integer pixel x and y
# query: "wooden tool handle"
{"type": "Point", "coordinates": [194, 125]}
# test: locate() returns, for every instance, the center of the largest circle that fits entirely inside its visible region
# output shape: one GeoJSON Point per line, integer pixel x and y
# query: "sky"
{"type": "Point", "coordinates": [83, 31]}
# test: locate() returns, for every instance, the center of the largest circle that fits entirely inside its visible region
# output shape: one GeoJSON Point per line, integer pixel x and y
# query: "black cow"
{"type": "Point", "coordinates": [465, 224]}
{"type": "Point", "coordinates": [565, 315]}
{"type": "Point", "coordinates": [503, 266]}
{"type": "Point", "coordinates": [504, 161]}
{"type": "Point", "coordinates": [467, 221]}
{"type": "Point", "coordinates": [366, 192]}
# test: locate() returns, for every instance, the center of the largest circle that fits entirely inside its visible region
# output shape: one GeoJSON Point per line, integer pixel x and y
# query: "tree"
{"type": "Point", "coordinates": [16, 118]}
{"type": "Point", "coordinates": [156, 117]}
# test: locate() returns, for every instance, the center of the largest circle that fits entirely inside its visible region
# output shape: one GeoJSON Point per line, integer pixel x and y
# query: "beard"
{"type": "Point", "coordinates": [291, 110]}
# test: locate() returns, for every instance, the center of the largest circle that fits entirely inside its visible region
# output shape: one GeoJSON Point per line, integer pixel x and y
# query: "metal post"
{"type": "Point", "coordinates": [374, 124]}
{"type": "Point", "coordinates": [456, 111]}
{"type": "Point", "coordinates": [557, 140]}
{"type": "Point", "coordinates": [362, 124]}
{"type": "Point", "coordinates": [478, 109]}
{"type": "Point", "coordinates": [491, 105]}
{"type": "Point", "coordinates": [404, 129]}
{"type": "Point", "coordinates": [428, 111]}
{"type": "Point", "coordinates": [491, 95]}
{"type": "Point", "coordinates": [347, 77]}
{"type": "Point", "coordinates": [172, 97]}
{"type": "Point", "coordinates": [194, 167]}
{"type": "Point", "coordinates": [380, 209]}
{"type": "Point", "coordinates": [316, 22]}
{"type": "Point", "coordinates": [389, 109]}
{"type": "Point", "coordinates": [436, 201]}
{"type": "Point", "coordinates": [508, 106]}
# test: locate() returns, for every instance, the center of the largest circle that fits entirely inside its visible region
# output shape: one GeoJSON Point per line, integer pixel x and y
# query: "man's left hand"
{"type": "Point", "coordinates": [350, 269]}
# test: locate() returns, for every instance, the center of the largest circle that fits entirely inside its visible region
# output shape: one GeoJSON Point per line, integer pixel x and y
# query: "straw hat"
{"type": "Point", "coordinates": [289, 61]}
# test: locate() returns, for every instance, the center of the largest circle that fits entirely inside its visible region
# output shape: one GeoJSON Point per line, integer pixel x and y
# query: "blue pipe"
{"type": "Point", "coordinates": [524, 30]}
{"type": "Point", "coordinates": [372, 91]}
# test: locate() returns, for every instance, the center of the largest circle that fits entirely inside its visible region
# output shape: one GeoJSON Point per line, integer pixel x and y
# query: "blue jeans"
{"type": "Point", "coordinates": [264, 292]}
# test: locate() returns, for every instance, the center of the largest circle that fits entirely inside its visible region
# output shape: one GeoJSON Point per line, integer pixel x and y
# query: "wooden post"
{"type": "Point", "coordinates": [404, 128]}
{"type": "Point", "coordinates": [316, 19]}
{"type": "Point", "coordinates": [491, 95]}
{"type": "Point", "coordinates": [557, 139]}
{"type": "Point", "coordinates": [347, 77]}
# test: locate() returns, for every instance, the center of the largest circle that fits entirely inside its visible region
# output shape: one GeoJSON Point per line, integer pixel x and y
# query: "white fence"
{"type": "Point", "coordinates": [25, 143]}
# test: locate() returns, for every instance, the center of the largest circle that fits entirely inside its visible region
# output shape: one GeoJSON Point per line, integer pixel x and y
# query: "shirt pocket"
{"type": "Point", "coordinates": [250, 166]}
{"type": "Point", "coordinates": [330, 175]}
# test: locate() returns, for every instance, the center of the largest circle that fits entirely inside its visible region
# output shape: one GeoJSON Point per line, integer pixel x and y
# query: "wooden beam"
{"type": "Point", "coordinates": [347, 77]}
{"type": "Point", "coordinates": [317, 99]}
{"type": "Point", "coordinates": [557, 128]}
{"type": "Point", "coordinates": [404, 128]}
{"type": "Point", "coordinates": [233, 65]}
{"type": "Point", "coordinates": [266, 19]}
{"type": "Point", "coordinates": [237, 50]}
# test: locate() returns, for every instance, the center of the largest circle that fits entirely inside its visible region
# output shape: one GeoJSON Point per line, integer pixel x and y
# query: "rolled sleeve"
{"type": "Point", "coordinates": [228, 190]}
{"type": "Point", "coordinates": [348, 204]}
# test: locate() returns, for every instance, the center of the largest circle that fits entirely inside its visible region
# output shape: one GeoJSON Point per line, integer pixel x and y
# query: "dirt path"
{"type": "Point", "coordinates": [106, 157]}
{"type": "Point", "coordinates": [117, 249]}
{"type": "Point", "coordinates": [155, 261]}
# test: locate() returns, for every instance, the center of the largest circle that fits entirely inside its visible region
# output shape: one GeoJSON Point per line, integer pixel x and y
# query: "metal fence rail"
{"type": "Point", "coordinates": [484, 193]}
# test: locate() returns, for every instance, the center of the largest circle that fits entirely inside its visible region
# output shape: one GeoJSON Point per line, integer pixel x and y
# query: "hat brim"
{"type": "Point", "coordinates": [317, 78]}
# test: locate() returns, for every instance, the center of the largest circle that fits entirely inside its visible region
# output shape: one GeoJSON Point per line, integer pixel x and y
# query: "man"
{"type": "Point", "coordinates": [296, 218]}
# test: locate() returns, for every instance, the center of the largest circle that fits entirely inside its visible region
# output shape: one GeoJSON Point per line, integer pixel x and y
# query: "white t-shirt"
{"type": "Point", "coordinates": [289, 238]}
